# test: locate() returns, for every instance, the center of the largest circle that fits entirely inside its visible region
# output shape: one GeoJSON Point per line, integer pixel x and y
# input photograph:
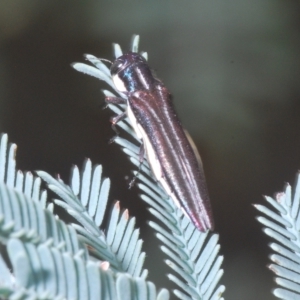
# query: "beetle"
{"type": "Point", "coordinates": [168, 149]}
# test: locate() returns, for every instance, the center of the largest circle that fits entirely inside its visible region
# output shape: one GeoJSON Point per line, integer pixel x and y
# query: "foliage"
{"type": "Point", "coordinates": [49, 259]}
{"type": "Point", "coordinates": [283, 225]}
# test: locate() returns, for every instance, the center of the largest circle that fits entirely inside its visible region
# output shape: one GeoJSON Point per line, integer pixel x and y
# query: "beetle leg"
{"type": "Point", "coordinates": [141, 160]}
{"type": "Point", "coordinates": [141, 154]}
{"type": "Point", "coordinates": [115, 100]}
{"type": "Point", "coordinates": [116, 119]}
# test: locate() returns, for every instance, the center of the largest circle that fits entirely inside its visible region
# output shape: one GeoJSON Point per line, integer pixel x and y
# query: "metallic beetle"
{"type": "Point", "coordinates": [168, 149]}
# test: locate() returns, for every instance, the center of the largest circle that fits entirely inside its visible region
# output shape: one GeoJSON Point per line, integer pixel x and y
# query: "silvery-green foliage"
{"type": "Point", "coordinates": [26, 183]}
{"type": "Point", "coordinates": [46, 272]}
{"type": "Point", "coordinates": [49, 259]}
{"type": "Point", "coordinates": [282, 224]}
{"type": "Point", "coordinates": [86, 200]}
{"type": "Point", "coordinates": [193, 256]}
{"type": "Point", "coordinates": [23, 211]}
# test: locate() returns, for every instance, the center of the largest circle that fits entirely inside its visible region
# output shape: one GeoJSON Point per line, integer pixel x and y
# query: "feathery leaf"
{"type": "Point", "coordinates": [86, 200]}
{"type": "Point", "coordinates": [44, 272]}
{"type": "Point", "coordinates": [26, 183]}
{"type": "Point", "coordinates": [49, 261]}
{"type": "Point", "coordinates": [25, 219]}
{"type": "Point", "coordinates": [283, 226]}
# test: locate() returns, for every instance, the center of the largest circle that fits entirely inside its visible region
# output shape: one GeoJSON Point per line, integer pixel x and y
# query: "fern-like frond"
{"type": "Point", "coordinates": [44, 272]}
{"type": "Point", "coordinates": [49, 262]}
{"type": "Point", "coordinates": [282, 223]}
{"type": "Point", "coordinates": [121, 246]}
{"type": "Point", "coordinates": [25, 219]}
{"type": "Point", "coordinates": [86, 200]}
{"type": "Point", "coordinates": [22, 207]}
{"type": "Point", "coordinates": [193, 255]}
{"type": "Point", "coordinates": [25, 183]}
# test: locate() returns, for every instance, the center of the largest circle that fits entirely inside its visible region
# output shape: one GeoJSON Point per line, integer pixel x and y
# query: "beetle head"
{"type": "Point", "coordinates": [130, 72]}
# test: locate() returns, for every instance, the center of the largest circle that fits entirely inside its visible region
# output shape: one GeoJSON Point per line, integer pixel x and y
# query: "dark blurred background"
{"type": "Point", "coordinates": [233, 68]}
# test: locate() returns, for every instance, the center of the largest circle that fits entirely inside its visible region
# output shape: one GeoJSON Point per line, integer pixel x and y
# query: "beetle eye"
{"type": "Point", "coordinates": [116, 67]}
